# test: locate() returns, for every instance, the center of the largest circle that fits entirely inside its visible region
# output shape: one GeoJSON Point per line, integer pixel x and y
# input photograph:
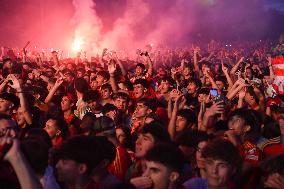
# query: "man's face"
{"type": "Point", "coordinates": [143, 144]}
{"type": "Point", "coordinates": [192, 88]}
{"type": "Point", "coordinates": [94, 84]}
{"type": "Point", "coordinates": [220, 85]}
{"type": "Point", "coordinates": [6, 124]}
{"type": "Point", "coordinates": [237, 125]}
{"type": "Point", "coordinates": [266, 80]}
{"type": "Point", "coordinates": [69, 77]}
{"type": "Point", "coordinates": [186, 71]}
{"type": "Point", "coordinates": [5, 105]}
{"type": "Point", "coordinates": [159, 174]}
{"type": "Point", "coordinates": [202, 97]}
{"type": "Point", "coordinates": [105, 93]}
{"type": "Point", "coordinates": [51, 128]}
{"type": "Point", "coordinates": [217, 172]}
{"type": "Point", "coordinates": [139, 91]}
{"type": "Point", "coordinates": [141, 110]}
{"type": "Point", "coordinates": [66, 104]}
{"type": "Point", "coordinates": [165, 87]}
{"type": "Point", "coordinates": [121, 104]}
{"type": "Point", "coordinates": [68, 171]}
{"type": "Point", "coordinates": [100, 80]}
{"type": "Point", "coordinates": [200, 161]}
{"type": "Point", "coordinates": [181, 123]}
{"type": "Point", "coordinates": [20, 117]}
{"type": "Point", "coordinates": [249, 74]}
{"type": "Point", "coordinates": [113, 115]}
{"type": "Point", "coordinates": [79, 74]}
{"type": "Point", "coordinates": [93, 105]}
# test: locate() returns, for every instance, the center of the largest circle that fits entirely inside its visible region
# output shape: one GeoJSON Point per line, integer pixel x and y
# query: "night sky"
{"type": "Point", "coordinates": [49, 22]}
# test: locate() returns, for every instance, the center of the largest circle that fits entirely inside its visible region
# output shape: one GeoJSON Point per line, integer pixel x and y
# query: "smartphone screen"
{"type": "Point", "coordinates": [214, 92]}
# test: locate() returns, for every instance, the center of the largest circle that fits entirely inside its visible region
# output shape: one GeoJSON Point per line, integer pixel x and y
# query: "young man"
{"type": "Point", "coordinates": [144, 107]}
{"type": "Point", "coordinates": [150, 135]}
{"type": "Point", "coordinates": [222, 160]}
{"type": "Point", "coordinates": [110, 111]}
{"type": "Point", "coordinates": [121, 101]}
{"type": "Point", "coordinates": [81, 86]}
{"type": "Point", "coordinates": [164, 167]}
{"type": "Point", "coordinates": [77, 158]}
{"type": "Point", "coordinates": [14, 155]}
{"type": "Point", "coordinates": [142, 90]}
{"type": "Point", "coordinates": [102, 78]}
{"type": "Point", "coordinates": [106, 93]}
{"type": "Point", "coordinates": [104, 126]}
{"type": "Point", "coordinates": [8, 103]}
{"type": "Point", "coordinates": [165, 85]}
{"type": "Point", "coordinates": [140, 71]}
{"type": "Point", "coordinates": [73, 122]}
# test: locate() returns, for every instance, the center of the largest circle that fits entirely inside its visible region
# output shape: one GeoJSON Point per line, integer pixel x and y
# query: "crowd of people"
{"type": "Point", "coordinates": [204, 117]}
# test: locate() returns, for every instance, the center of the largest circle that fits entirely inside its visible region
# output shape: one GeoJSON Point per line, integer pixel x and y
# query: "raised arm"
{"type": "Point", "coordinates": [112, 81]}
{"type": "Point", "coordinates": [26, 176]}
{"type": "Point", "coordinates": [123, 71]}
{"type": "Point", "coordinates": [102, 61]}
{"type": "Point", "coordinates": [52, 91]}
{"type": "Point", "coordinates": [150, 66]}
{"type": "Point", "coordinates": [214, 85]}
{"type": "Point", "coordinates": [238, 85]}
{"type": "Point", "coordinates": [236, 66]}
{"type": "Point", "coordinates": [179, 103]}
{"type": "Point", "coordinates": [55, 59]}
{"type": "Point", "coordinates": [226, 73]}
{"type": "Point", "coordinates": [270, 67]}
{"type": "Point", "coordinates": [195, 61]}
{"type": "Point", "coordinates": [216, 108]}
{"type": "Point", "coordinates": [23, 103]}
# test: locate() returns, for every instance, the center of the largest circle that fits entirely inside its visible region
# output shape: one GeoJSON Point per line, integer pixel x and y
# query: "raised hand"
{"type": "Point", "coordinates": [141, 182]}
{"type": "Point", "coordinates": [59, 81]}
{"type": "Point", "coordinates": [111, 68]}
{"type": "Point", "coordinates": [15, 82]}
{"type": "Point", "coordinates": [274, 180]}
{"type": "Point", "coordinates": [224, 68]}
{"type": "Point", "coordinates": [216, 108]}
{"type": "Point", "coordinates": [180, 102]}
{"type": "Point", "coordinates": [174, 94]}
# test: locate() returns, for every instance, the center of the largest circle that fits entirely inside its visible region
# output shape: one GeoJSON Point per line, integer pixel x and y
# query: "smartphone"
{"type": "Point", "coordinates": [214, 92]}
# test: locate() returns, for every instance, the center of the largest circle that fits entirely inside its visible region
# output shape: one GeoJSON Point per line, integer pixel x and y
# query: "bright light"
{"type": "Point", "coordinates": [77, 45]}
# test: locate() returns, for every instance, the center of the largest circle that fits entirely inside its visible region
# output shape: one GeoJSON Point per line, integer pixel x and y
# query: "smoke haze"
{"type": "Point", "coordinates": [129, 24]}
